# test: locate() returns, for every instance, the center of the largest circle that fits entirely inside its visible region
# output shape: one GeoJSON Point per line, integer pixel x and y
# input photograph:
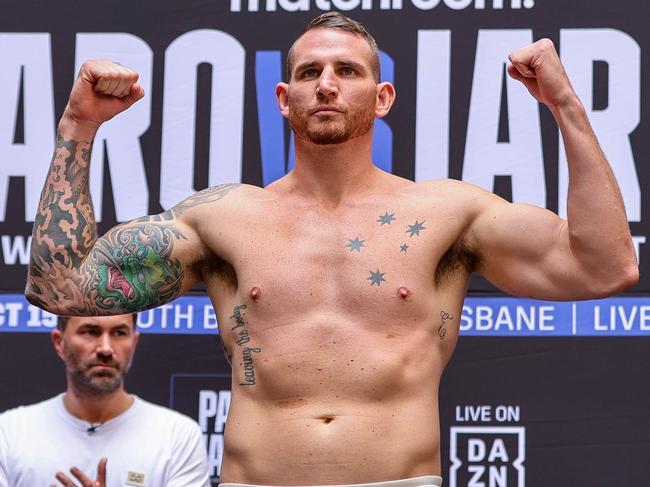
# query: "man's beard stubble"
{"type": "Point", "coordinates": [94, 383]}
{"type": "Point", "coordinates": [326, 131]}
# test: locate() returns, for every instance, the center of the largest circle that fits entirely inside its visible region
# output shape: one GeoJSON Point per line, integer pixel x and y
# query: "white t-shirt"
{"type": "Point", "coordinates": [146, 446]}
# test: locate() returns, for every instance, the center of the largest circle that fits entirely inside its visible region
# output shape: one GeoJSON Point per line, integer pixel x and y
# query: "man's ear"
{"type": "Point", "coordinates": [385, 99]}
{"type": "Point", "coordinates": [57, 341]}
{"type": "Point", "coordinates": [282, 94]}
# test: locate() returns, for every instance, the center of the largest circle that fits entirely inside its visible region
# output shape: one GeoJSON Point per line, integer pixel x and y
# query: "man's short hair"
{"type": "Point", "coordinates": [336, 20]}
{"type": "Point", "coordinates": [62, 321]}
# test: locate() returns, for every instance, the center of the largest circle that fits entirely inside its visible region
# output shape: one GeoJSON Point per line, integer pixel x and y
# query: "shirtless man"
{"type": "Point", "coordinates": [339, 287]}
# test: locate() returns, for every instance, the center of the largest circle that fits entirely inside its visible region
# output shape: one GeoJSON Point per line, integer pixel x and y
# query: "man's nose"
{"type": "Point", "coordinates": [327, 83]}
{"type": "Point", "coordinates": [105, 345]}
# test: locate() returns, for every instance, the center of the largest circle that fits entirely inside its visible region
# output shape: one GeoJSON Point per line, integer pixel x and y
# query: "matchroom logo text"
{"type": "Point", "coordinates": [347, 5]}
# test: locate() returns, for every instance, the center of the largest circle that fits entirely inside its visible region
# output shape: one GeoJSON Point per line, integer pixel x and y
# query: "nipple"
{"type": "Point", "coordinates": [403, 292]}
{"type": "Point", "coordinates": [255, 293]}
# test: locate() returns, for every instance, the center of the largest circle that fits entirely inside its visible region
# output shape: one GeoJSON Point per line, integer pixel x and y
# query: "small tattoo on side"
{"type": "Point", "coordinates": [444, 318]}
{"type": "Point", "coordinates": [376, 277]}
{"type": "Point", "coordinates": [238, 317]}
{"type": "Point", "coordinates": [242, 337]}
{"type": "Point", "coordinates": [404, 248]}
{"type": "Point", "coordinates": [249, 368]}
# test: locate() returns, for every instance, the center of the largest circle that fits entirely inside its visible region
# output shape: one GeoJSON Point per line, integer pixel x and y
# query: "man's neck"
{"type": "Point", "coordinates": [333, 173]}
{"type": "Point", "coordinates": [97, 409]}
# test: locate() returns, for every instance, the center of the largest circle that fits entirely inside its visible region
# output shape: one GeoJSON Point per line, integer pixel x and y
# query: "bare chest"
{"type": "Point", "coordinates": [374, 261]}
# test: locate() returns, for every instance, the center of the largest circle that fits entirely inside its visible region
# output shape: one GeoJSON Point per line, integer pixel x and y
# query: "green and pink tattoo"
{"type": "Point", "coordinates": [131, 268]}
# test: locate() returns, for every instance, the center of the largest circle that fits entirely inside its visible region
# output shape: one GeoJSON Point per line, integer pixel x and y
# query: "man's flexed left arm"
{"type": "Point", "coordinates": [536, 253]}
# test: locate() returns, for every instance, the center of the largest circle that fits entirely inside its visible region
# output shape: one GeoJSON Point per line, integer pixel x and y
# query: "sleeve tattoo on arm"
{"type": "Point", "coordinates": [64, 226]}
{"type": "Point", "coordinates": [134, 267]}
{"type": "Point", "coordinates": [131, 268]}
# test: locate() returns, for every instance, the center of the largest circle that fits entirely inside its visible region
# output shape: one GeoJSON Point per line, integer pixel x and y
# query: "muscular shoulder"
{"type": "Point", "coordinates": [222, 195]}
{"type": "Point", "coordinates": [458, 206]}
{"type": "Point", "coordinates": [220, 201]}
{"type": "Point", "coordinates": [458, 198]}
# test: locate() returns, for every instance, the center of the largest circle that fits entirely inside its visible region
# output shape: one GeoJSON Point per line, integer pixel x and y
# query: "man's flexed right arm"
{"type": "Point", "coordinates": [134, 266]}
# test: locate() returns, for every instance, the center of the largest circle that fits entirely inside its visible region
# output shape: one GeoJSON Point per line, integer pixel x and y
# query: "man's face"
{"type": "Point", "coordinates": [97, 352]}
{"type": "Point", "coordinates": [332, 94]}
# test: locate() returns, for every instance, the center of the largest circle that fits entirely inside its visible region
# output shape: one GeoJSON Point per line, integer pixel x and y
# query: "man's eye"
{"type": "Point", "coordinates": [348, 72]}
{"type": "Point", "coordinates": [310, 73]}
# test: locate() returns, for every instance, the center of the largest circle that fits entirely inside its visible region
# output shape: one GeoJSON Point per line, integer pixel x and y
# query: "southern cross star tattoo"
{"type": "Point", "coordinates": [376, 277]}
{"type": "Point", "coordinates": [386, 219]}
{"type": "Point", "coordinates": [416, 228]}
{"type": "Point", "coordinates": [355, 244]}
{"type": "Point", "coordinates": [404, 248]}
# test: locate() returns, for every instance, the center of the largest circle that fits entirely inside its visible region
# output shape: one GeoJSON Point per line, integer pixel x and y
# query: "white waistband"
{"type": "Point", "coordinates": [426, 481]}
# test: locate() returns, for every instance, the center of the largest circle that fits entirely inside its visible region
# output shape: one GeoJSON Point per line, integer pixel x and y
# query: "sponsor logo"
{"type": "Point", "coordinates": [346, 5]}
{"type": "Point", "coordinates": [487, 455]}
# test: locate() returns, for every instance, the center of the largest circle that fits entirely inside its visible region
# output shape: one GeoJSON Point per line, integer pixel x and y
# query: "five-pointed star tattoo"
{"type": "Point", "coordinates": [355, 244]}
{"type": "Point", "coordinates": [376, 277]}
{"type": "Point", "coordinates": [385, 219]}
{"type": "Point", "coordinates": [415, 228]}
{"type": "Point", "coordinates": [404, 248]}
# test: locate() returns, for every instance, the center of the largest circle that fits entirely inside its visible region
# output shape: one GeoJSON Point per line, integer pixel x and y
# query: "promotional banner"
{"type": "Point", "coordinates": [537, 393]}
{"type": "Point", "coordinates": [488, 317]}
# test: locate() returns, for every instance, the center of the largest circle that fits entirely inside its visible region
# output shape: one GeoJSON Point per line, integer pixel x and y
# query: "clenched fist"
{"type": "Point", "coordinates": [539, 68]}
{"type": "Point", "coordinates": [102, 90]}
